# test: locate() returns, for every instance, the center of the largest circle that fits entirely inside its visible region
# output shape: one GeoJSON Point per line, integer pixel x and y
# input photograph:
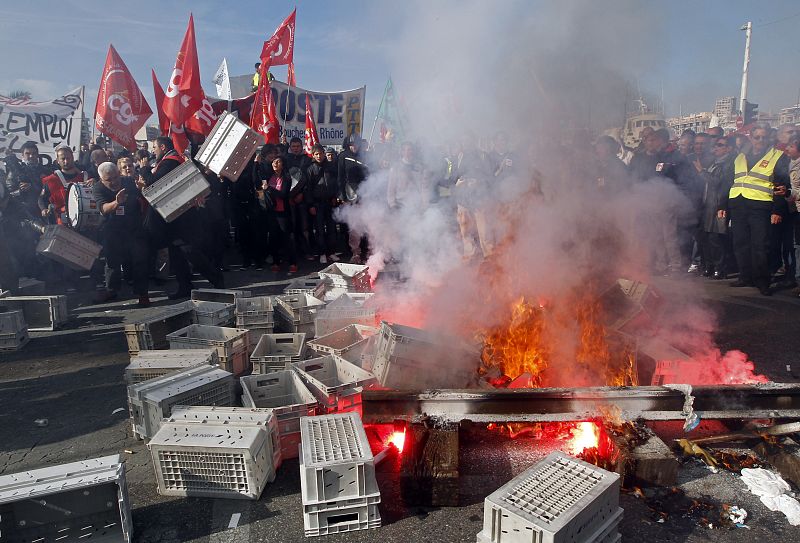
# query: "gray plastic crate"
{"type": "Point", "coordinates": [275, 352]}
{"type": "Point", "coordinates": [42, 313]}
{"type": "Point", "coordinates": [144, 367]}
{"type": "Point", "coordinates": [151, 333]}
{"type": "Point", "coordinates": [335, 382]}
{"type": "Point", "coordinates": [212, 460]}
{"type": "Point", "coordinates": [336, 461]}
{"type": "Point", "coordinates": [288, 397]}
{"type": "Point", "coordinates": [407, 357]}
{"type": "Point", "coordinates": [232, 344]}
{"type": "Point", "coordinates": [177, 191]}
{"type": "Point", "coordinates": [338, 519]}
{"type": "Point", "coordinates": [212, 313]}
{"type": "Point", "coordinates": [342, 340]}
{"type": "Point", "coordinates": [15, 341]}
{"type": "Point", "coordinates": [298, 308]}
{"type": "Point", "coordinates": [80, 501]}
{"type": "Point", "coordinates": [11, 321]}
{"type": "Point", "coordinates": [68, 247]}
{"type": "Point", "coordinates": [229, 147]}
{"type": "Point", "coordinates": [255, 311]}
{"type": "Point", "coordinates": [353, 277]}
{"type": "Point", "coordinates": [558, 499]}
{"type": "Point", "coordinates": [226, 296]}
{"type": "Point", "coordinates": [151, 401]}
{"type": "Point", "coordinates": [302, 285]}
{"type": "Point", "coordinates": [29, 286]}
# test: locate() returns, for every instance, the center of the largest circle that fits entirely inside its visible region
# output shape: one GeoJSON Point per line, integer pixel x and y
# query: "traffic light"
{"type": "Point", "coordinates": [750, 112]}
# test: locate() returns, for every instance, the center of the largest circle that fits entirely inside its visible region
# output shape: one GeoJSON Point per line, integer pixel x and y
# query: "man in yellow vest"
{"type": "Point", "coordinates": [756, 199]}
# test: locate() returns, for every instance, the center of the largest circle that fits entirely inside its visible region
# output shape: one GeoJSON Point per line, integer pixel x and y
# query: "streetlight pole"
{"type": "Point", "coordinates": [748, 28]}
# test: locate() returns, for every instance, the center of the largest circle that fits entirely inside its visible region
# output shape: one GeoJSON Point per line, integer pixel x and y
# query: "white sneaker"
{"type": "Point", "coordinates": [334, 258]}
{"type": "Point", "coordinates": [323, 260]}
{"type": "Point", "coordinates": [694, 268]}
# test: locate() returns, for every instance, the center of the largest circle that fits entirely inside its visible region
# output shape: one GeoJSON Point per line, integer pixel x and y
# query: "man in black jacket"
{"type": "Point", "coordinates": [24, 180]}
{"type": "Point", "coordinates": [713, 230]}
{"type": "Point", "coordinates": [19, 232]}
{"type": "Point", "coordinates": [352, 171]}
{"type": "Point", "coordinates": [322, 189]}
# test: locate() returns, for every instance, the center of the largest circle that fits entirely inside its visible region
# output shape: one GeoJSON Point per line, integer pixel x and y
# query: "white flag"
{"type": "Point", "coordinates": [223, 81]}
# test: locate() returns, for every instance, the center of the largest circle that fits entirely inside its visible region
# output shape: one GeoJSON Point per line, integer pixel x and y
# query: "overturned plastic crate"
{"type": "Point", "coordinates": [212, 460]}
{"type": "Point", "coordinates": [14, 341]}
{"type": "Point", "coordinates": [353, 277]}
{"type": "Point", "coordinates": [275, 352]}
{"type": "Point", "coordinates": [11, 321]}
{"type": "Point", "coordinates": [177, 191]}
{"type": "Point", "coordinates": [235, 416]}
{"type": "Point", "coordinates": [229, 147]}
{"type": "Point", "coordinates": [151, 333]}
{"type": "Point", "coordinates": [151, 401]}
{"type": "Point", "coordinates": [80, 501]}
{"type": "Point", "coordinates": [221, 295]}
{"type": "Point", "coordinates": [42, 313]}
{"type": "Point", "coordinates": [295, 313]}
{"type": "Point", "coordinates": [302, 285]}
{"type": "Point", "coordinates": [212, 313]}
{"type": "Point", "coordinates": [232, 344]}
{"type": "Point", "coordinates": [558, 499]}
{"type": "Point", "coordinates": [288, 397]}
{"type": "Point", "coordinates": [68, 247]}
{"type": "Point", "coordinates": [407, 357]}
{"type": "Point", "coordinates": [337, 475]}
{"type": "Point", "coordinates": [29, 286]}
{"type": "Point", "coordinates": [348, 308]}
{"type": "Point", "coordinates": [342, 340]}
{"type": "Point", "coordinates": [145, 366]}
{"type": "Point", "coordinates": [336, 383]}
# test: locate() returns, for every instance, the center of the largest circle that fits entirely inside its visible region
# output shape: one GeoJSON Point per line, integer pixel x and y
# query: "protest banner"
{"type": "Point", "coordinates": [48, 124]}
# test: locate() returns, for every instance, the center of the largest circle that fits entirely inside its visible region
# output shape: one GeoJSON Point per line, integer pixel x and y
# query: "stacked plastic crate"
{"type": "Point", "coordinates": [151, 333]}
{"type": "Point", "coordinates": [302, 286]}
{"type": "Point", "coordinates": [336, 383]}
{"type": "Point", "coordinates": [295, 313]}
{"type": "Point", "coordinates": [276, 352]}
{"type": "Point", "coordinates": [351, 277]}
{"type": "Point", "coordinates": [42, 313]}
{"type": "Point", "coordinates": [348, 308]}
{"type": "Point", "coordinates": [228, 452]}
{"type": "Point", "coordinates": [80, 501]}
{"type": "Point", "coordinates": [288, 397]}
{"type": "Point", "coordinates": [232, 344]}
{"type": "Point", "coordinates": [256, 314]}
{"type": "Point", "coordinates": [559, 498]}
{"type": "Point", "coordinates": [337, 476]}
{"type": "Point", "coordinates": [220, 295]}
{"type": "Point", "coordinates": [212, 313]}
{"type": "Point", "coordinates": [150, 401]}
{"type": "Point", "coordinates": [13, 331]}
{"type": "Point", "coordinates": [152, 364]}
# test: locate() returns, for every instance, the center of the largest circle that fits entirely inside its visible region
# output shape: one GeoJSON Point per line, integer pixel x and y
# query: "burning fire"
{"type": "Point", "coordinates": [585, 435]}
{"type": "Point", "coordinates": [398, 439]}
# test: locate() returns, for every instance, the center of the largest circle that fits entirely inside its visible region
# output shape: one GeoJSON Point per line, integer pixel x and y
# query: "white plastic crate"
{"type": "Point", "coordinates": [336, 461]}
{"type": "Point", "coordinates": [80, 501]}
{"type": "Point", "coordinates": [232, 344]}
{"type": "Point", "coordinates": [255, 310]}
{"type": "Point", "coordinates": [335, 382]}
{"type": "Point", "coordinates": [275, 351]}
{"type": "Point", "coordinates": [298, 308]}
{"type": "Point", "coordinates": [151, 333]}
{"type": "Point", "coordinates": [229, 147]}
{"type": "Point", "coordinates": [353, 277]}
{"type": "Point", "coordinates": [212, 313]}
{"type": "Point", "coordinates": [144, 367]}
{"type": "Point", "coordinates": [68, 247]}
{"type": "Point", "coordinates": [11, 321]}
{"type": "Point", "coordinates": [212, 460]}
{"type": "Point", "coordinates": [558, 499]}
{"type": "Point", "coordinates": [15, 341]}
{"type": "Point", "coordinates": [225, 296]}
{"type": "Point", "coordinates": [288, 397]}
{"type": "Point", "coordinates": [302, 285]}
{"type": "Point", "coordinates": [235, 416]}
{"type": "Point", "coordinates": [151, 401]}
{"type": "Point", "coordinates": [407, 357]}
{"type": "Point", "coordinates": [42, 313]}
{"type": "Point", "coordinates": [255, 333]}
{"type": "Point", "coordinates": [348, 308]}
{"type": "Point", "coordinates": [342, 340]}
{"type": "Point", "coordinates": [177, 191]}
{"type": "Point", "coordinates": [338, 519]}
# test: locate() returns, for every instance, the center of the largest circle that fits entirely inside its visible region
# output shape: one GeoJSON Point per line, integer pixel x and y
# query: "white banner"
{"type": "Point", "coordinates": [222, 81]}
{"type": "Point", "coordinates": [48, 124]}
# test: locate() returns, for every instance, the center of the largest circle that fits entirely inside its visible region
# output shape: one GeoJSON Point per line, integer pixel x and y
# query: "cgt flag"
{"type": "Point", "coordinates": [121, 109]}
{"type": "Point", "coordinates": [184, 94]}
{"type": "Point", "coordinates": [263, 118]}
{"type": "Point", "coordinates": [311, 138]}
{"type": "Point", "coordinates": [279, 49]}
{"type": "Point", "coordinates": [179, 139]}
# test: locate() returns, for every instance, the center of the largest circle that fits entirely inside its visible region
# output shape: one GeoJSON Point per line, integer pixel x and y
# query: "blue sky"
{"type": "Point", "coordinates": [693, 49]}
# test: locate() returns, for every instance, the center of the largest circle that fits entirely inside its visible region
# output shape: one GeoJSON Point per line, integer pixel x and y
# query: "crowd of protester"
{"type": "Point", "coordinates": [736, 214]}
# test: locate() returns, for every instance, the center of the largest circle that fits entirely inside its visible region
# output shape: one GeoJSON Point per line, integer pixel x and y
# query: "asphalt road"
{"type": "Point", "coordinates": [74, 379]}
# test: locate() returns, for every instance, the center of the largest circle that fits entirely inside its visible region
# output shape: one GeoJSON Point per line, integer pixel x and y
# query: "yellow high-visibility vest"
{"type": "Point", "coordinates": [755, 183]}
{"type": "Point", "coordinates": [255, 80]}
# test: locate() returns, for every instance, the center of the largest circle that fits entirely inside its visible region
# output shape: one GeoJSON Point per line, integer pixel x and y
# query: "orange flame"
{"type": "Point", "coordinates": [398, 439]}
{"type": "Point", "coordinates": [586, 435]}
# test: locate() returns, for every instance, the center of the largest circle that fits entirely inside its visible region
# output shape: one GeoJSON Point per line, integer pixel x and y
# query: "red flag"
{"type": "Point", "coordinates": [290, 77]}
{"type": "Point", "coordinates": [121, 109]}
{"type": "Point", "coordinates": [264, 118]}
{"type": "Point", "coordinates": [166, 128]}
{"type": "Point", "coordinates": [311, 138]}
{"type": "Point", "coordinates": [184, 94]}
{"type": "Point", "coordinates": [158, 90]}
{"type": "Point", "coordinates": [279, 49]}
{"type": "Point", "coordinates": [203, 120]}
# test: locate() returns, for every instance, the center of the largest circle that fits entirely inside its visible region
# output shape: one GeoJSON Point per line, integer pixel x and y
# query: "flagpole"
{"type": "Point", "coordinates": [286, 109]}
{"type": "Point", "coordinates": [375, 122]}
